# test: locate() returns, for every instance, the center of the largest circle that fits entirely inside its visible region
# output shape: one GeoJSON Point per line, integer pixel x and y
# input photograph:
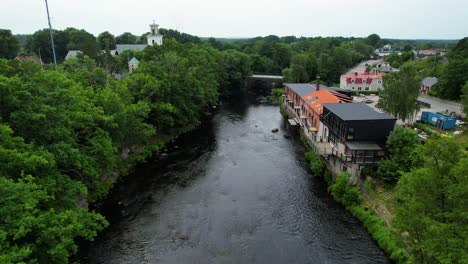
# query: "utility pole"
{"type": "Point", "coordinates": [51, 36]}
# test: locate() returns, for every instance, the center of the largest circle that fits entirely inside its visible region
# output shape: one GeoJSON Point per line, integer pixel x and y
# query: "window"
{"type": "Point", "coordinates": [352, 88]}
{"type": "Point", "coordinates": [352, 80]}
{"type": "Point", "coordinates": [359, 88]}
{"type": "Point", "coordinates": [350, 133]}
{"type": "Point", "coordinates": [367, 88]}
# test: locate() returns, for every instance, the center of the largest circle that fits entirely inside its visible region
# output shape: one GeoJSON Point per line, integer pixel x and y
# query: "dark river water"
{"type": "Point", "coordinates": [229, 192]}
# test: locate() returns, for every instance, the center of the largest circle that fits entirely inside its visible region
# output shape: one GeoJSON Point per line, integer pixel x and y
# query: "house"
{"type": "Point", "coordinates": [384, 68]}
{"type": "Point", "coordinates": [356, 132]}
{"type": "Point", "coordinates": [32, 58]}
{"type": "Point", "coordinates": [133, 64]}
{"type": "Point", "coordinates": [73, 54]}
{"type": "Point", "coordinates": [361, 82]}
{"type": "Point", "coordinates": [427, 83]}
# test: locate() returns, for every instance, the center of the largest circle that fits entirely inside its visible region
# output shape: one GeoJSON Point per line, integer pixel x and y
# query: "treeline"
{"type": "Point", "coordinates": [299, 59]}
{"type": "Point", "coordinates": [67, 135]}
{"type": "Point", "coordinates": [302, 59]}
{"type": "Point", "coordinates": [75, 39]}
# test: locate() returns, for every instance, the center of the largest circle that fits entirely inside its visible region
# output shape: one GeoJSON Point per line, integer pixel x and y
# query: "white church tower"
{"type": "Point", "coordinates": [154, 37]}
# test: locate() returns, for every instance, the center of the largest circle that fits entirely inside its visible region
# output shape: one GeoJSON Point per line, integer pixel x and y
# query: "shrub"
{"type": "Point", "coordinates": [344, 192]}
{"type": "Point", "coordinates": [316, 164]}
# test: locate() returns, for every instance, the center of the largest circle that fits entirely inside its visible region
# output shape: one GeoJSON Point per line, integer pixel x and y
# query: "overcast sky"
{"type": "Point", "coordinates": [414, 19]}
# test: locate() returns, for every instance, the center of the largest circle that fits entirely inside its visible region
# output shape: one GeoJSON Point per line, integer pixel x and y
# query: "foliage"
{"type": "Point", "coordinates": [106, 41]}
{"type": "Point", "coordinates": [9, 44]}
{"type": "Point", "coordinates": [382, 234]}
{"type": "Point", "coordinates": [316, 165]}
{"type": "Point", "coordinates": [373, 40]}
{"type": "Point", "coordinates": [75, 130]}
{"type": "Point", "coordinates": [343, 192]}
{"type": "Point", "coordinates": [126, 38]}
{"type": "Point", "coordinates": [464, 98]}
{"type": "Point", "coordinates": [402, 144]}
{"type": "Point", "coordinates": [456, 73]}
{"type": "Point", "coordinates": [432, 204]}
{"type": "Point", "coordinates": [401, 90]}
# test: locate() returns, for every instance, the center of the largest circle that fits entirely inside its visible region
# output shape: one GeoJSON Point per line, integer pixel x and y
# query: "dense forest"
{"type": "Point", "coordinates": [67, 135]}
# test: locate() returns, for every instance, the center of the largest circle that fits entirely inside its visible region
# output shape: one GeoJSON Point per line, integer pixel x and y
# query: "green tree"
{"type": "Point", "coordinates": [432, 204]}
{"type": "Point", "coordinates": [404, 154]}
{"type": "Point", "coordinates": [373, 40]}
{"type": "Point", "coordinates": [464, 98]}
{"type": "Point", "coordinates": [106, 41]}
{"type": "Point", "coordinates": [126, 38]}
{"type": "Point", "coordinates": [401, 90]}
{"type": "Point", "coordinates": [455, 75]}
{"type": "Point", "coordinates": [9, 44]}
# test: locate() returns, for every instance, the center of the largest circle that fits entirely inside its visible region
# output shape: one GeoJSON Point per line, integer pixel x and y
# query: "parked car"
{"type": "Point", "coordinates": [368, 101]}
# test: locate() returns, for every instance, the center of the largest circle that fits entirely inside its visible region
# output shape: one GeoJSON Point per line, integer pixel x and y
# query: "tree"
{"type": "Point", "coordinates": [83, 41]}
{"type": "Point", "coordinates": [401, 90]}
{"type": "Point", "coordinates": [9, 44]}
{"type": "Point", "coordinates": [432, 204]}
{"type": "Point", "coordinates": [464, 98]}
{"type": "Point", "coordinates": [455, 75]}
{"type": "Point", "coordinates": [126, 38]}
{"type": "Point", "coordinates": [106, 41]}
{"type": "Point", "coordinates": [373, 40]}
{"type": "Point", "coordinates": [404, 154]}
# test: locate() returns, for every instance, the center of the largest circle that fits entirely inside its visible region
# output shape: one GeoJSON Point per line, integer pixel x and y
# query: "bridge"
{"type": "Point", "coordinates": [264, 82]}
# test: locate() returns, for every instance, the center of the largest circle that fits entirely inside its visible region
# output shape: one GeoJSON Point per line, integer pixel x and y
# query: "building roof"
{"type": "Point", "coordinates": [363, 145]}
{"type": "Point", "coordinates": [316, 100]}
{"type": "Point", "coordinates": [72, 54]}
{"type": "Point", "coordinates": [301, 89]}
{"type": "Point", "coordinates": [134, 61]}
{"type": "Point", "coordinates": [385, 68]}
{"type": "Point", "coordinates": [356, 111]}
{"type": "Point", "coordinates": [364, 75]}
{"type": "Point", "coordinates": [32, 58]}
{"type": "Point", "coordinates": [122, 47]}
{"type": "Point", "coordinates": [429, 81]}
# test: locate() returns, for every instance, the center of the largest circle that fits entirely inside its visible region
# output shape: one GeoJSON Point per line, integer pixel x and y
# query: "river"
{"type": "Point", "coordinates": [229, 192]}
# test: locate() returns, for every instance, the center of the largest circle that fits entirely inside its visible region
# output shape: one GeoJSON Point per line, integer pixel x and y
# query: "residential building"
{"type": "Point", "coordinates": [427, 83]}
{"type": "Point", "coordinates": [361, 82]}
{"type": "Point", "coordinates": [356, 132]}
{"type": "Point", "coordinates": [384, 68]}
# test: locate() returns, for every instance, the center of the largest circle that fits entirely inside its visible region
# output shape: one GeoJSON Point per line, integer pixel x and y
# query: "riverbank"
{"type": "Point", "coordinates": [366, 201]}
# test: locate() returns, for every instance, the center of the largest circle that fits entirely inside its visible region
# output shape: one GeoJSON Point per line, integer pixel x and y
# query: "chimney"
{"type": "Point", "coordinates": [318, 83]}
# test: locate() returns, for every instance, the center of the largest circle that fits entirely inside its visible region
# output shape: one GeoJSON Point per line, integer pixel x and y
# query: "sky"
{"type": "Point", "coordinates": [403, 19]}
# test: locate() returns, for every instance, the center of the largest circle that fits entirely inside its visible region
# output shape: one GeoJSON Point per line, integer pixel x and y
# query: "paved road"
{"type": "Point", "coordinates": [440, 105]}
{"type": "Point", "coordinates": [361, 67]}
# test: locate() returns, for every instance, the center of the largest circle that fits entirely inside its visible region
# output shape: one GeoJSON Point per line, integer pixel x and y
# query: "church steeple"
{"type": "Point", "coordinates": [154, 29]}
{"type": "Point", "coordinates": [154, 37]}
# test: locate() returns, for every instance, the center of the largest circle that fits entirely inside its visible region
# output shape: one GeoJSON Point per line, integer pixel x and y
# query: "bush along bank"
{"type": "Point", "coordinates": [350, 196]}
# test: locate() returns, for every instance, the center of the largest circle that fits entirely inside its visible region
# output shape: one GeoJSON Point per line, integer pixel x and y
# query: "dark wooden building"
{"type": "Point", "coordinates": [357, 132]}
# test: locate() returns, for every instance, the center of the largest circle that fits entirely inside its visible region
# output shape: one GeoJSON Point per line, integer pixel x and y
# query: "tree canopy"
{"type": "Point", "coordinates": [401, 89]}
{"type": "Point", "coordinates": [9, 44]}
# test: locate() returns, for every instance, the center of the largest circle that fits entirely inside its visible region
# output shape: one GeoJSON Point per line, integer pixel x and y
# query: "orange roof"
{"type": "Point", "coordinates": [316, 100]}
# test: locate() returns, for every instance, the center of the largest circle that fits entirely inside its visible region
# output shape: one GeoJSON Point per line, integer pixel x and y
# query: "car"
{"type": "Point", "coordinates": [368, 101]}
